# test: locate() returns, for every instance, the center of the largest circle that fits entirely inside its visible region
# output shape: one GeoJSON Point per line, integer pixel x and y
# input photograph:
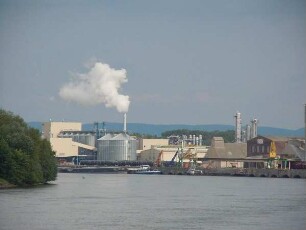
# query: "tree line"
{"type": "Point", "coordinates": [25, 158]}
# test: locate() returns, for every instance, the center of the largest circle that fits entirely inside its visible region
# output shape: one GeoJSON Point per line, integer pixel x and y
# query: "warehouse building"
{"type": "Point", "coordinates": [224, 155]}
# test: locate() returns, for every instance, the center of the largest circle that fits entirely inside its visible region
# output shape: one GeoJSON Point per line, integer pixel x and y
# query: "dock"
{"type": "Point", "coordinates": [242, 172]}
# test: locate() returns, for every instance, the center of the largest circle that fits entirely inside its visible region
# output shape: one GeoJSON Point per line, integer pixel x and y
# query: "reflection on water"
{"type": "Point", "coordinates": [121, 201]}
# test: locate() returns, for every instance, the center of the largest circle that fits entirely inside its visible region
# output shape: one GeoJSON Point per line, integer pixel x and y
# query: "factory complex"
{"type": "Point", "coordinates": [72, 145]}
{"type": "Point", "coordinates": [250, 150]}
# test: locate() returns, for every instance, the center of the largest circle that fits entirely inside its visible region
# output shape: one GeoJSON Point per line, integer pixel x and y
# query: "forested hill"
{"type": "Point", "coordinates": [157, 130]}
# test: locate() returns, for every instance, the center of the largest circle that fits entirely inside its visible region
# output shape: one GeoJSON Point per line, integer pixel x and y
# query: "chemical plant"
{"type": "Point", "coordinates": [99, 147]}
{"type": "Point", "coordinates": [246, 134]}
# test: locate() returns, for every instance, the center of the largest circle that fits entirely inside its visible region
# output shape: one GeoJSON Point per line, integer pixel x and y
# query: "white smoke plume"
{"type": "Point", "coordinates": [99, 85]}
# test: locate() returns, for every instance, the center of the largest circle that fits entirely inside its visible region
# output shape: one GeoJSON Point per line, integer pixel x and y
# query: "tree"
{"type": "Point", "coordinates": [47, 161]}
{"type": "Point", "coordinates": [25, 159]}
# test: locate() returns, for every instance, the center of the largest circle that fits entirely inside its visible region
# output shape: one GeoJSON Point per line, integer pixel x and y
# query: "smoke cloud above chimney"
{"type": "Point", "coordinates": [99, 86]}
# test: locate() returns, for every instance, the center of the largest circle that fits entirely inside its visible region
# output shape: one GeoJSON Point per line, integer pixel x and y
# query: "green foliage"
{"type": "Point", "coordinates": [25, 159]}
{"type": "Point", "coordinates": [228, 136]}
{"type": "Point", "coordinates": [48, 161]}
{"type": "Point", "coordinates": [144, 136]}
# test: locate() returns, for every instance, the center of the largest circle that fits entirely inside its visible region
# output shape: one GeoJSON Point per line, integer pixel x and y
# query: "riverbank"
{"type": "Point", "coordinates": [5, 184]}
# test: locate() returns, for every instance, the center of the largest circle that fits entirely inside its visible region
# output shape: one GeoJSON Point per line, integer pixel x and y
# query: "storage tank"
{"type": "Point", "coordinates": [120, 147]}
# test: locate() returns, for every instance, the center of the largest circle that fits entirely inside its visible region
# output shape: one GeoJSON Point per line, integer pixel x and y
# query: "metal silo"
{"type": "Point", "coordinates": [90, 139]}
{"type": "Point", "coordinates": [121, 147]}
{"type": "Point", "coordinates": [103, 147]}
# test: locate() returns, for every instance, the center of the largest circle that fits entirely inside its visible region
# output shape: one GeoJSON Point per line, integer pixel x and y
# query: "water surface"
{"type": "Point", "coordinates": [123, 201]}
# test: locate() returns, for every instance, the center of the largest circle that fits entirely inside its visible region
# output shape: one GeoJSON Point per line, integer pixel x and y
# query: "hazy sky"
{"type": "Point", "coordinates": [187, 62]}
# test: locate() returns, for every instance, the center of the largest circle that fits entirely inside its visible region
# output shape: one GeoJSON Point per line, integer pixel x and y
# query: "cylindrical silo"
{"type": "Point", "coordinates": [103, 147]}
{"type": "Point", "coordinates": [121, 147]}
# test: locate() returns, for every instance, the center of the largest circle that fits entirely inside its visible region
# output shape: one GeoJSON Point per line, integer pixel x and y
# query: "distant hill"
{"type": "Point", "coordinates": [35, 125]}
{"type": "Point", "coordinates": [158, 129]}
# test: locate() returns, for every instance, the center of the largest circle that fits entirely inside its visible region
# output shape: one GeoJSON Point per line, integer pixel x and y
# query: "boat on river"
{"type": "Point", "coordinates": [143, 169]}
{"type": "Point", "coordinates": [149, 172]}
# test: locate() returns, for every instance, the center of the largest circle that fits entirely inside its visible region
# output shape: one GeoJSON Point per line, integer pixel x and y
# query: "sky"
{"type": "Point", "coordinates": [185, 62]}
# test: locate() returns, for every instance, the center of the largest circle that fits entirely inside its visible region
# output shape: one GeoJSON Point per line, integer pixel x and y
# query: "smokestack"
{"type": "Point", "coordinates": [238, 127]}
{"type": "Point", "coordinates": [124, 123]}
{"type": "Point", "coordinates": [254, 124]}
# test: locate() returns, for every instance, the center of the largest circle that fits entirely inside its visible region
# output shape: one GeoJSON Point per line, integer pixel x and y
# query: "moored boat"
{"type": "Point", "coordinates": [150, 172]}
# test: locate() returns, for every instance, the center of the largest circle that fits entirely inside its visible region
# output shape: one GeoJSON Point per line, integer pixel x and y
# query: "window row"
{"type": "Point", "coordinates": [260, 149]}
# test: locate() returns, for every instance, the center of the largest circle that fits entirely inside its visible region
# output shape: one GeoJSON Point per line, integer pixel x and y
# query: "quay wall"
{"type": "Point", "coordinates": [248, 172]}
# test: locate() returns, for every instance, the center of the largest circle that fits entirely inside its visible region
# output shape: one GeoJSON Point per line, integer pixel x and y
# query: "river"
{"type": "Point", "coordinates": [124, 201]}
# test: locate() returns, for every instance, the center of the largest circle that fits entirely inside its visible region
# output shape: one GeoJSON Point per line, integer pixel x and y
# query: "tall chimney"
{"type": "Point", "coordinates": [238, 127]}
{"type": "Point", "coordinates": [124, 123]}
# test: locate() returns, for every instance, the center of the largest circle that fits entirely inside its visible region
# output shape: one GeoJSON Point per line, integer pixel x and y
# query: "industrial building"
{"type": "Point", "coordinates": [145, 144]}
{"type": "Point", "coordinates": [249, 151]}
{"type": "Point", "coordinates": [172, 150]}
{"type": "Point", "coordinates": [224, 155]}
{"type": "Point", "coordinates": [274, 152]}
{"type": "Point", "coordinates": [172, 155]}
{"type": "Point", "coordinates": [69, 142]}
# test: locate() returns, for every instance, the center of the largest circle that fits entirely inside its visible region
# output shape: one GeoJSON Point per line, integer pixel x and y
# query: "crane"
{"type": "Point", "coordinates": [172, 163]}
{"type": "Point", "coordinates": [158, 160]}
